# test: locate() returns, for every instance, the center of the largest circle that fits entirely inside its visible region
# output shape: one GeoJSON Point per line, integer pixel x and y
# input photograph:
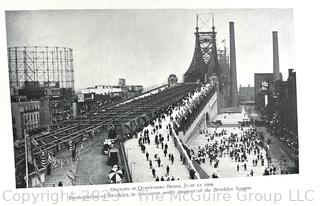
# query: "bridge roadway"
{"type": "Point", "coordinates": [129, 116]}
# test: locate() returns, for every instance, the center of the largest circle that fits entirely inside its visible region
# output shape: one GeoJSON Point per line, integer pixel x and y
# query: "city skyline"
{"type": "Point", "coordinates": [153, 43]}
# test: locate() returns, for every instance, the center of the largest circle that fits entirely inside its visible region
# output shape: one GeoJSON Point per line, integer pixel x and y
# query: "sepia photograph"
{"type": "Point", "coordinates": [113, 96]}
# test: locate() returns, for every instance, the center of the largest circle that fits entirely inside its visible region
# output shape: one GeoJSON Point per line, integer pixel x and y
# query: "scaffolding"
{"type": "Point", "coordinates": [42, 65]}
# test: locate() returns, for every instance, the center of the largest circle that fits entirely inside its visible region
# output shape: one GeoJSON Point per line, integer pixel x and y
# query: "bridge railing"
{"type": "Point", "coordinates": [186, 121]}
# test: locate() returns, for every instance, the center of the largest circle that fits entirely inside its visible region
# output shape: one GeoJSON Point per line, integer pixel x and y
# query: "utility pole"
{"type": "Point", "coordinates": [26, 156]}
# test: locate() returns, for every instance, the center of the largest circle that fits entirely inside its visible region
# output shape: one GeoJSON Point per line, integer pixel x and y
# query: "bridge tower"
{"type": "Point", "coordinates": [205, 62]}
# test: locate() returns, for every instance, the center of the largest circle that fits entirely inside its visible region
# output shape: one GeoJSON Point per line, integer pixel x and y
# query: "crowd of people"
{"type": "Point", "coordinates": [244, 146]}
{"type": "Point", "coordinates": [287, 136]}
{"type": "Point", "coordinates": [237, 146]}
{"type": "Point", "coordinates": [189, 107]}
{"type": "Point", "coordinates": [159, 135]}
{"type": "Point", "coordinates": [284, 134]}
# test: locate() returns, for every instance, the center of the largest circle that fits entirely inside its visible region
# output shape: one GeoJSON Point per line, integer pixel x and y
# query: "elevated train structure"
{"type": "Point", "coordinates": [125, 118]}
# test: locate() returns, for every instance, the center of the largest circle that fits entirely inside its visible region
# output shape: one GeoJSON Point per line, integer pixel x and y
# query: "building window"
{"type": "Point", "coordinates": [13, 120]}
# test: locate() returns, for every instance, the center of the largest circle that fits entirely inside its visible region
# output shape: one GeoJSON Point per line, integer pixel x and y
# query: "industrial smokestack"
{"type": "Point", "coordinates": [276, 70]}
{"type": "Point", "coordinates": [233, 68]}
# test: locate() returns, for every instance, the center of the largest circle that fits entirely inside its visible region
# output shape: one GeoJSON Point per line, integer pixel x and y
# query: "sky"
{"type": "Point", "coordinates": [146, 46]}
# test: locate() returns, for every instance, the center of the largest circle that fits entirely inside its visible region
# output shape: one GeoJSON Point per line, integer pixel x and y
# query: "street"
{"type": "Point", "coordinates": [279, 150]}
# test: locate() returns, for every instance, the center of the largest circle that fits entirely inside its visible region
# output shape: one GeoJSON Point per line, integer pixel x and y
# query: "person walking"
{"type": "Point", "coordinates": [166, 146]}
{"type": "Point", "coordinates": [150, 164]}
{"type": "Point", "coordinates": [168, 169]}
{"type": "Point", "coordinates": [153, 172]}
{"type": "Point", "coordinates": [159, 162]}
{"type": "Point", "coordinates": [165, 152]}
{"type": "Point", "coordinates": [147, 156]}
{"type": "Point", "coordinates": [172, 158]}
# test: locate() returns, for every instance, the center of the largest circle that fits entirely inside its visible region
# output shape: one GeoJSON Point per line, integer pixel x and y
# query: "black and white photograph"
{"type": "Point", "coordinates": [113, 96]}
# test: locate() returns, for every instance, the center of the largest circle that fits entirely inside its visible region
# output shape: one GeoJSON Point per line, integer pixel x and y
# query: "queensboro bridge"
{"type": "Point", "coordinates": [204, 65]}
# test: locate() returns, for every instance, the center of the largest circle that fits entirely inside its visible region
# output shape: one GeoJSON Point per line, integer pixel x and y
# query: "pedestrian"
{"type": "Point", "coordinates": [150, 163]}
{"type": "Point", "coordinates": [162, 178]}
{"type": "Point", "coordinates": [159, 162]}
{"type": "Point", "coordinates": [165, 152]}
{"type": "Point", "coordinates": [237, 168]}
{"type": "Point", "coordinates": [168, 137]}
{"type": "Point", "coordinates": [157, 179]}
{"type": "Point", "coordinates": [162, 145]}
{"type": "Point", "coordinates": [245, 167]}
{"type": "Point", "coordinates": [169, 157]}
{"type": "Point", "coordinates": [166, 146]}
{"type": "Point", "coordinates": [192, 173]}
{"type": "Point", "coordinates": [181, 157]}
{"type": "Point", "coordinates": [153, 172]}
{"type": "Point", "coordinates": [172, 158]}
{"type": "Point", "coordinates": [147, 156]}
{"type": "Point", "coordinates": [251, 172]}
{"type": "Point", "coordinates": [168, 169]}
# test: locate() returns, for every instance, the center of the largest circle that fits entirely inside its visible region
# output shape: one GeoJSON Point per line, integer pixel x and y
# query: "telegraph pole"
{"type": "Point", "coordinates": [26, 157]}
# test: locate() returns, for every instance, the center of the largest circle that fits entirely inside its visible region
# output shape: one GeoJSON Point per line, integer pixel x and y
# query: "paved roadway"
{"type": "Point", "coordinates": [279, 151]}
{"type": "Point", "coordinates": [93, 168]}
{"type": "Point", "coordinates": [90, 169]}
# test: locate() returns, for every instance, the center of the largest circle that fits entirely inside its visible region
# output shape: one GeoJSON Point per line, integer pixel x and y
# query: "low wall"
{"type": "Point", "coordinates": [184, 153]}
{"type": "Point", "coordinates": [211, 108]}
